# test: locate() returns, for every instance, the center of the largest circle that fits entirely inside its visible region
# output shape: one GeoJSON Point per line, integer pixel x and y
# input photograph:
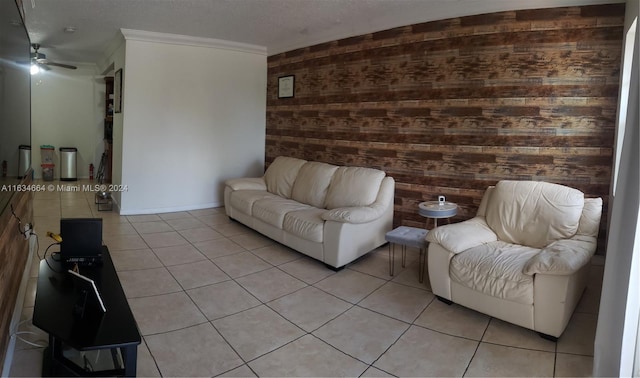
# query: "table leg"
{"type": "Point", "coordinates": [130, 359]}
{"type": "Point", "coordinates": [404, 255]}
{"type": "Point", "coordinates": [392, 258]}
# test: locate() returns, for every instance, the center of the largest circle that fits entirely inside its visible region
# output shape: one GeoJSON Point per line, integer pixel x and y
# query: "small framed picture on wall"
{"type": "Point", "coordinates": [286, 86]}
{"type": "Point", "coordinates": [117, 92]}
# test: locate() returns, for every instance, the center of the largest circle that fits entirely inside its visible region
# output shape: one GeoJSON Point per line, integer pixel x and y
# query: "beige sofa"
{"type": "Point", "coordinates": [524, 258]}
{"type": "Point", "coordinates": [333, 214]}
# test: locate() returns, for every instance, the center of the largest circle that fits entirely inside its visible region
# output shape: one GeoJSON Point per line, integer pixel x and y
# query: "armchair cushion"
{"type": "Point", "coordinates": [495, 269]}
{"type": "Point", "coordinates": [312, 183]}
{"type": "Point", "coordinates": [281, 175]}
{"type": "Point", "coordinates": [533, 213]}
{"type": "Point", "coordinates": [563, 257]}
{"type": "Point", "coordinates": [461, 236]}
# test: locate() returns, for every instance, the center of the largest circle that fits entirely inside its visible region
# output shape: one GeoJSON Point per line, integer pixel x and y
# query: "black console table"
{"type": "Point", "coordinates": [114, 330]}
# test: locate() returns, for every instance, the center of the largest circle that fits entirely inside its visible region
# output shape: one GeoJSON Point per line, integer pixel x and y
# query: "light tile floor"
{"type": "Point", "coordinates": [214, 298]}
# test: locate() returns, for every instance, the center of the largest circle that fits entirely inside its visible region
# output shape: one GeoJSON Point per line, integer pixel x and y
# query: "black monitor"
{"type": "Point", "coordinates": [81, 240]}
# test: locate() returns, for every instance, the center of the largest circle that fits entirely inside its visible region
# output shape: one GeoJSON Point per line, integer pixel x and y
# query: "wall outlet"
{"type": "Point", "coordinates": [28, 228]}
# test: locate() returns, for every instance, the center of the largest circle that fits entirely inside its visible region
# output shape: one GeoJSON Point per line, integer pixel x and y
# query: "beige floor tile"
{"type": "Point", "coordinates": [241, 264]}
{"type": "Point", "coordinates": [218, 248]}
{"type": "Point", "coordinates": [501, 361]}
{"type": "Point", "coordinates": [108, 216]}
{"type": "Point", "coordinates": [135, 259]}
{"type": "Point", "coordinates": [215, 219]}
{"type": "Point", "coordinates": [376, 263]}
{"type": "Point", "coordinates": [124, 242]}
{"type": "Point", "coordinates": [571, 365]}
{"type": "Point", "coordinates": [240, 372]}
{"type": "Point", "coordinates": [222, 299]}
{"type": "Point", "coordinates": [46, 208]}
{"type": "Point", "coordinates": [307, 357]}
{"type": "Point", "coordinates": [200, 234]}
{"type": "Point", "coordinates": [27, 363]}
{"type": "Point", "coordinates": [143, 218]}
{"type": "Point", "coordinates": [453, 320]}
{"type": "Point", "coordinates": [44, 224]}
{"type": "Point", "coordinates": [257, 331]}
{"type": "Point", "coordinates": [118, 228]}
{"type": "Point", "coordinates": [72, 212]}
{"type": "Point", "coordinates": [579, 336]}
{"type": "Point", "coordinates": [180, 254]}
{"type": "Point", "coordinates": [197, 274]}
{"type": "Point", "coordinates": [192, 352]}
{"type": "Point", "coordinates": [375, 372]}
{"type": "Point", "coordinates": [146, 365]}
{"type": "Point", "coordinates": [507, 334]}
{"type": "Point", "coordinates": [164, 313]}
{"type": "Point", "coordinates": [204, 212]}
{"type": "Point", "coordinates": [423, 353]}
{"type": "Point", "coordinates": [398, 301]}
{"type": "Point", "coordinates": [350, 285]}
{"type": "Point", "coordinates": [307, 269]}
{"type": "Point", "coordinates": [361, 333]}
{"type": "Point", "coordinates": [231, 229]}
{"type": "Point", "coordinates": [182, 224]}
{"type": "Point", "coordinates": [410, 276]}
{"type": "Point", "coordinates": [148, 282]}
{"type": "Point", "coordinates": [164, 239]}
{"type": "Point", "coordinates": [277, 254]}
{"type": "Point", "coordinates": [309, 308]}
{"type": "Point", "coordinates": [175, 215]}
{"type": "Point", "coordinates": [270, 284]}
{"type": "Point", "coordinates": [251, 240]}
{"type": "Point", "coordinates": [151, 227]}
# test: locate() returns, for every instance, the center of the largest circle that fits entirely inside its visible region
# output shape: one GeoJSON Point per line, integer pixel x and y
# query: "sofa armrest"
{"type": "Point", "coordinates": [247, 183]}
{"type": "Point", "coordinates": [562, 257]}
{"type": "Point", "coordinates": [461, 236]}
{"type": "Point", "coordinates": [361, 214]}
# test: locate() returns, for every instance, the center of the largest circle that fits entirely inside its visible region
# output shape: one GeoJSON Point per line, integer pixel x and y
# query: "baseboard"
{"type": "Point", "coordinates": [170, 209]}
{"type": "Point", "coordinates": [17, 310]}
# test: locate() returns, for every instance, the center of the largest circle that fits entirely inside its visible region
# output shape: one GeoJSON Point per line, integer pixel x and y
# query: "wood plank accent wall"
{"type": "Point", "coordinates": [14, 252]}
{"type": "Point", "coordinates": [453, 106]}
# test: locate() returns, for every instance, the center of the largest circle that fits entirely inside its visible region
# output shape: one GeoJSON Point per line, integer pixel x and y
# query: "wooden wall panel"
{"type": "Point", "coordinates": [452, 106]}
{"type": "Point", "coordinates": [14, 252]}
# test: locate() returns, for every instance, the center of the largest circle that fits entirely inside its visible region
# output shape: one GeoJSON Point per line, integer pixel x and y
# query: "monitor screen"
{"type": "Point", "coordinates": [81, 237]}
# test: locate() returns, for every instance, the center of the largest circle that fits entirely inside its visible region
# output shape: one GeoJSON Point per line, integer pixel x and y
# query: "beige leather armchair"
{"type": "Point", "coordinates": [524, 258]}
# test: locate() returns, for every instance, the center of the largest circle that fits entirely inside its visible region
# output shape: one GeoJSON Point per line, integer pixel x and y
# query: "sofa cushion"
{"type": "Point", "coordinates": [312, 182]}
{"type": "Point", "coordinates": [590, 219]}
{"type": "Point", "coordinates": [353, 186]}
{"type": "Point", "coordinates": [273, 210]}
{"type": "Point", "coordinates": [534, 213]}
{"type": "Point", "coordinates": [306, 224]}
{"type": "Point", "coordinates": [243, 200]}
{"type": "Point", "coordinates": [281, 175]}
{"type": "Point", "coordinates": [495, 269]}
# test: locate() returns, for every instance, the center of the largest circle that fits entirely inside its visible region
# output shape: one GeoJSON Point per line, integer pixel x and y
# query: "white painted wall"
{"type": "Point", "coordinates": [67, 109]}
{"type": "Point", "coordinates": [193, 117]}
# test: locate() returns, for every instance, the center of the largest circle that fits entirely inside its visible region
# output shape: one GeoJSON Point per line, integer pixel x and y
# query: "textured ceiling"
{"type": "Point", "coordinates": [278, 25]}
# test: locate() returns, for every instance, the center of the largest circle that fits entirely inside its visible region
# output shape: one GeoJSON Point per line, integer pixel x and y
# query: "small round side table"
{"type": "Point", "coordinates": [435, 211]}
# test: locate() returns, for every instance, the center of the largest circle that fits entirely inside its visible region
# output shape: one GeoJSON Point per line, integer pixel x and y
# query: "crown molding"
{"type": "Point", "coordinates": [177, 39]}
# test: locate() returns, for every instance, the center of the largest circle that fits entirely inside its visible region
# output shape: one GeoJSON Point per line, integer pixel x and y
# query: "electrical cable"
{"type": "Point", "coordinates": [47, 261]}
{"type": "Point", "coordinates": [16, 334]}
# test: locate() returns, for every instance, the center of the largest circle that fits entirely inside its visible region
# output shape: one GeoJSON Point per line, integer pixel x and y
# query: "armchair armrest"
{"type": "Point", "coordinates": [247, 183]}
{"type": "Point", "coordinates": [562, 257]}
{"type": "Point", "coordinates": [360, 214]}
{"type": "Point", "coordinates": [461, 236]}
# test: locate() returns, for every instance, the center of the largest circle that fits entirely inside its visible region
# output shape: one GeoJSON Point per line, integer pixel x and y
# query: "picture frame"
{"type": "Point", "coordinates": [286, 86]}
{"type": "Point", "coordinates": [117, 92]}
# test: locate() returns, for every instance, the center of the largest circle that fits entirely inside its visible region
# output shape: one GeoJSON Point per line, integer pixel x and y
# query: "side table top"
{"type": "Point", "coordinates": [433, 209]}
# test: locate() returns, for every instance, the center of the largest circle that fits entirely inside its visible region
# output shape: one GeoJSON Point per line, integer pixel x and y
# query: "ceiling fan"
{"type": "Point", "coordinates": [39, 61]}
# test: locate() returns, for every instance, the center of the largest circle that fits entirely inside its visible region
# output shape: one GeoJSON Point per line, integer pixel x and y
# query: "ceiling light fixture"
{"type": "Point", "coordinates": [70, 29]}
{"type": "Point", "coordinates": [35, 69]}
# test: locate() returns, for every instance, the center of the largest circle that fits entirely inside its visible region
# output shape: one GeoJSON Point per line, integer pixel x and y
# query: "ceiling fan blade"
{"type": "Point", "coordinates": [68, 66]}
{"type": "Point", "coordinates": [44, 67]}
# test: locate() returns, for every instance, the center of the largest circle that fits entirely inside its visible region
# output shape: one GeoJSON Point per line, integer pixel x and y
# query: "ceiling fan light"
{"type": "Point", "coordinates": [35, 69]}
